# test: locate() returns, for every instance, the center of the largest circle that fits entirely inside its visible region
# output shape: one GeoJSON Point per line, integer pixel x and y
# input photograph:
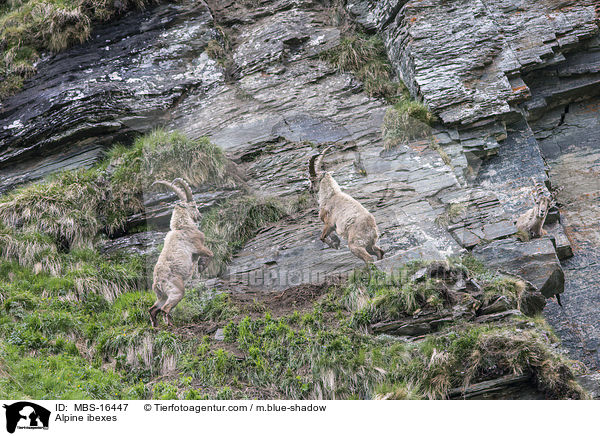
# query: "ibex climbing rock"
{"type": "Point", "coordinates": [178, 260]}
{"type": "Point", "coordinates": [343, 214]}
{"type": "Point", "coordinates": [532, 221]}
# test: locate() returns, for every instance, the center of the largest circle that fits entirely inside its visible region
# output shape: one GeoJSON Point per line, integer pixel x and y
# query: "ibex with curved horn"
{"type": "Point", "coordinates": [343, 214]}
{"type": "Point", "coordinates": [184, 244]}
{"type": "Point", "coordinates": [532, 221]}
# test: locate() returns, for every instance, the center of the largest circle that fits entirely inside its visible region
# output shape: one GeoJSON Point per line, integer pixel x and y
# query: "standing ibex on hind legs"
{"type": "Point", "coordinates": [343, 214]}
{"type": "Point", "coordinates": [184, 244]}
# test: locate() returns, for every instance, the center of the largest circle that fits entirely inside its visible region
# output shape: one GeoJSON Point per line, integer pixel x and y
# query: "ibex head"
{"type": "Point", "coordinates": [315, 171]}
{"type": "Point", "coordinates": [185, 209]}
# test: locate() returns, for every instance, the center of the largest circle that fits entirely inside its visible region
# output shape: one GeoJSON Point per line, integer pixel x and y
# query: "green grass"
{"type": "Point", "coordinates": [407, 120]}
{"type": "Point", "coordinates": [53, 346]}
{"type": "Point", "coordinates": [336, 362]}
{"type": "Point", "coordinates": [47, 376]}
{"type": "Point", "coordinates": [201, 304]}
{"type": "Point", "coordinates": [29, 28]}
{"type": "Point", "coordinates": [454, 212]}
{"type": "Point", "coordinates": [374, 296]}
{"type": "Point", "coordinates": [365, 56]}
{"type": "Point", "coordinates": [63, 208]}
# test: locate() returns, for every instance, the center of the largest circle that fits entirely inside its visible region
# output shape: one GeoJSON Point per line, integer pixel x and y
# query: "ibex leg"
{"type": "Point", "coordinates": [334, 241]}
{"type": "Point", "coordinates": [175, 296]}
{"type": "Point", "coordinates": [376, 251]}
{"type": "Point", "coordinates": [361, 253]}
{"type": "Point", "coordinates": [161, 299]}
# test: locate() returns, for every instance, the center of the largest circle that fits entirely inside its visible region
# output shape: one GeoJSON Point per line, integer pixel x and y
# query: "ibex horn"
{"type": "Point", "coordinates": [538, 189]}
{"type": "Point", "coordinates": [311, 166]}
{"type": "Point", "coordinates": [319, 162]}
{"type": "Point", "coordinates": [172, 187]}
{"type": "Point", "coordinates": [188, 191]}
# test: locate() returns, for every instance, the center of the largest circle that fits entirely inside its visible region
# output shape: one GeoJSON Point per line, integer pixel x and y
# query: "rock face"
{"type": "Point", "coordinates": [568, 139]}
{"type": "Point", "coordinates": [535, 261]}
{"type": "Point", "coordinates": [466, 58]}
{"type": "Point", "coordinates": [514, 84]}
{"type": "Point", "coordinates": [522, 78]}
{"type": "Point", "coordinates": [122, 82]}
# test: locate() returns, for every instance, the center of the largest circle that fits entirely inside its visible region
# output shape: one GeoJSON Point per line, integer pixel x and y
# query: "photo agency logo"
{"type": "Point", "coordinates": [26, 415]}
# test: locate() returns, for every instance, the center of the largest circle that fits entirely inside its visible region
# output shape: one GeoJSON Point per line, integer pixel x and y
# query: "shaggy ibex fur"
{"type": "Point", "coordinates": [532, 221]}
{"type": "Point", "coordinates": [178, 260]}
{"type": "Point", "coordinates": [343, 214]}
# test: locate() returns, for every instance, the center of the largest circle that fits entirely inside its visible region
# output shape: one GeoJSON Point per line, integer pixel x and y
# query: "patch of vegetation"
{"type": "Point", "coordinates": [29, 28]}
{"type": "Point", "coordinates": [201, 304]}
{"type": "Point", "coordinates": [229, 226]}
{"type": "Point", "coordinates": [64, 209]}
{"type": "Point", "coordinates": [69, 210]}
{"type": "Point", "coordinates": [365, 56]}
{"type": "Point", "coordinates": [163, 155]}
{"type": "Point", "coordinates": [440, 150]}
{"type": "Point", "coordinates": [469, 354]}
{"type": "Point", "coordinates": [78, 274]}
{"type": "Point", "coordinates": [454, 211]}
{"type": "Point", "coordinates": [321, 360]}
{"type": "Point", "coordinates": [220, 47]}
{"type": "Point", "coordinates": [374, 296]}
{"type": "Point", "coordinates": [46, 375]}
{"type": "Point", "coordinates": [216, 51]}
{"type": "Point", "coordinates": [407, 120]}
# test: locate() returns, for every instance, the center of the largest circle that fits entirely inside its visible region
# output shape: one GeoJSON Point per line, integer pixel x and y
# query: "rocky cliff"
{"type": "Point", "coordinates": [515, 87]}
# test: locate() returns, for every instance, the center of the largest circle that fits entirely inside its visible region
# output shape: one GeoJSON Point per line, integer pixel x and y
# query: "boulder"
{"type": "Point", "coordinates": [501, 304]}
{"type": "Point", "coordinates": [535, 261]}
{"type": "Point", "coordinates": [422, 324]}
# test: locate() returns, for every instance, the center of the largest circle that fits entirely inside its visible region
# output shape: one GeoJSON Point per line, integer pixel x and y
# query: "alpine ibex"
{"type": "Point", "coordinates": [184, 244]}
{"type": "Point", "coordinates": [343, 214]}
{"type": "Point", "coordinates": [532, 221]}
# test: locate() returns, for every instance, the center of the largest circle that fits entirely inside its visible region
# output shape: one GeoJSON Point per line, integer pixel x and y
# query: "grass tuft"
{"type": "Point", "coordinates": [407, 120]}
{"type": "Point", "coordinates": [229, 226]}
{"type": "Point", "coordinates": [365, 56]}
{"type": "Point", "coordinates": [63, 208]}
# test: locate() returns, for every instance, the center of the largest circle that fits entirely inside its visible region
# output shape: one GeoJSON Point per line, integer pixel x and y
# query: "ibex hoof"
{"type": "Point", "coordinates": [334, 241]}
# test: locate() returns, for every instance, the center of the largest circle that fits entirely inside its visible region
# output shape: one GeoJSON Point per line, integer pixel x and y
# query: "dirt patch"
{"type": "Point", "coordinates": [299, 298]}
